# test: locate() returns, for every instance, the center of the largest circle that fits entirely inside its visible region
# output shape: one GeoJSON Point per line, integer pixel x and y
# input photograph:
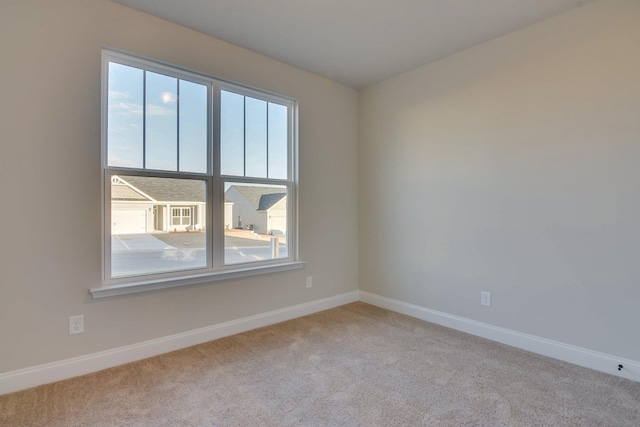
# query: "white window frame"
{"type": "Point", "coordinates": [182, 216]}
{"type": "Point", "coordinates": [215, 269]}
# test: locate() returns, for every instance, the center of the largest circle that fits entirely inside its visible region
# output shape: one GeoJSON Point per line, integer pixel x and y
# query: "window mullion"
{"type": "Point", "coordinates": [267, 138]}
{"type": "Point", "coordinates": [244, 136]}
{"type": "Point", "coordinates": [215, 230]}
{"type": "Point", "coordinates": [178, 124]}
{"type": "Point", "coordinates": [144, 120]}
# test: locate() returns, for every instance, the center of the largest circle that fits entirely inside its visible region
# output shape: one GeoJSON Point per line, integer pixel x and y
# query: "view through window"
{"type": "Point", "coordinates": [199, 173]}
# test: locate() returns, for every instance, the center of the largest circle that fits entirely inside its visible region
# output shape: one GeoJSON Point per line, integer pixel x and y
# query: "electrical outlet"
{"type": "Point", "coordinates": [485, 298]}
{"type": "Point", "coordinates": [76, 324]}
{"type": "Point", "coordinates": [309, 282]}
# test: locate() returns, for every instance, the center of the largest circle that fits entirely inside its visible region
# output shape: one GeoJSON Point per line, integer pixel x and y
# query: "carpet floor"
{"type": "Point", "coordinates": [355, 365]}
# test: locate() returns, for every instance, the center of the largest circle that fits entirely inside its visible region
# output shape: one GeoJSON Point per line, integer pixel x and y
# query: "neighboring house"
{"type": "Point", "coordinates": [264, 209]}
{"type": "Point", "coordinates": [144, 204]}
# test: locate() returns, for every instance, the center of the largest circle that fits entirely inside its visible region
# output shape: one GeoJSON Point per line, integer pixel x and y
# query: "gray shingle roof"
{"type": "Point", "coordinates": [124, 192]}
{"type": "Point", "coordinates": [260, 197]}
{"type": "Point", "coordinates": [169, 189]}
{"type": "Point", "coordinates": [268, 200]}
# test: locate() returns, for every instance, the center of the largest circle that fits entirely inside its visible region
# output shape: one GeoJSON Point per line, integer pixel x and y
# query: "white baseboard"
{"type": "Point", "coordinates": [557, 350]}
{"type": "Point", "coordinates": [69, 368]}
{"type": "Point", "coordinates": [56, 371]}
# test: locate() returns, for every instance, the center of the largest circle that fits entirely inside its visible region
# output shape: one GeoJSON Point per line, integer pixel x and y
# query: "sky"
{"type": "Point", "coordinates": [160, 122]}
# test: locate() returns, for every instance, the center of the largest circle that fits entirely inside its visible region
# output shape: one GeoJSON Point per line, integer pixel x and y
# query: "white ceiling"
{"type": "Point", "coordinates": [355, 42]}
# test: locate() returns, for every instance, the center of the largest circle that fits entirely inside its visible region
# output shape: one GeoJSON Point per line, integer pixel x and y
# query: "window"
{"type": "Point", "coordinates": [199, 176]}
{"type": "Point", "coordinates": [181, 216]}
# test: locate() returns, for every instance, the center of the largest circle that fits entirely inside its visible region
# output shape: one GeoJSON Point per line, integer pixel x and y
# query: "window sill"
{"type": "Point", "coordinates": [150, 285]}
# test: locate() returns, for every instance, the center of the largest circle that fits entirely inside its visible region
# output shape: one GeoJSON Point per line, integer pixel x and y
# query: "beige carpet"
{"type": "Point", "coordinates": [356, 365]}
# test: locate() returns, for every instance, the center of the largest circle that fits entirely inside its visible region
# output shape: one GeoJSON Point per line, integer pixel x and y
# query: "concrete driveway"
{"type": "Point", "coordinates": [136, 242]}
{"type": "Point", "coordinates": [139, 254]}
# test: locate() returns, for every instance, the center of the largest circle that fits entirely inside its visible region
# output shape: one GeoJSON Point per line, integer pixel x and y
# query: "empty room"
{"type": "Point", "coordinates": [374, 213]}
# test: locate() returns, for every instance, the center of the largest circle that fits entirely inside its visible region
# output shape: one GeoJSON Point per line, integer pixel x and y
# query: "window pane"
{"type": "Point", "coordinates": [193, 127]}
{"type": "Point", "coordinates": [231, 134]}
{"type": "Point", "coordinates": [161, 125]}
{"type": "Point", "coordinates": [278, 137]}
{"type": "Point", "coordinates": [148, 235]}
{"type": "Point", "coordinates": [256, 137]}
{"type": "Point", "coordinates": [255, 222]}
{"type": "Point", "coordinates": [124, 116]}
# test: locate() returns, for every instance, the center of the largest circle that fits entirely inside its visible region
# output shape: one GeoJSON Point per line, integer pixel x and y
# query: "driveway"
{"type": "Point", "coordinates": [139, 254]}
{"type": "Point", "coordinates": [136, 242]}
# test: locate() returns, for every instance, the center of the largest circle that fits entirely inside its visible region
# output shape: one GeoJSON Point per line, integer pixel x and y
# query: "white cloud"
{"type": "Point", "coordinates": [129, 109]}
{"type": "Point", "coordinates": [125, 108]}
{"type": "Point", "coordinates": [113, 95]}
{"type": "Point", "coordinates": [158, 110]}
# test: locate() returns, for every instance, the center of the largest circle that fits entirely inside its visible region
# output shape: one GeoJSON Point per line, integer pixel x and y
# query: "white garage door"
{"type": "Point", "coordinates": [129, 221]}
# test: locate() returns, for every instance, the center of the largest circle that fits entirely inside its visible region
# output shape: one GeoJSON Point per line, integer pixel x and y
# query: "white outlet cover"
{"type": "Point", "coordinates": [309, 281]}
{"type": "Point", "coordinates": [485, 298]}
{"type": "Point", "coordinates": [76, 324]}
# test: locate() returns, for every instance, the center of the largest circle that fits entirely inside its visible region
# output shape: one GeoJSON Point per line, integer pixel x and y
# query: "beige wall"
{"type": "Point", "coordinates": [50, 156]}
{"type": "Point", "coordinates": [515, 167]}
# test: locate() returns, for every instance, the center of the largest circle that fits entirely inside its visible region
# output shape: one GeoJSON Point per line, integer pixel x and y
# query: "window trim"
{"type": "Point", "coordinates": [232, 272]}
{"type": "Point", "coordinates": [215, 268]}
